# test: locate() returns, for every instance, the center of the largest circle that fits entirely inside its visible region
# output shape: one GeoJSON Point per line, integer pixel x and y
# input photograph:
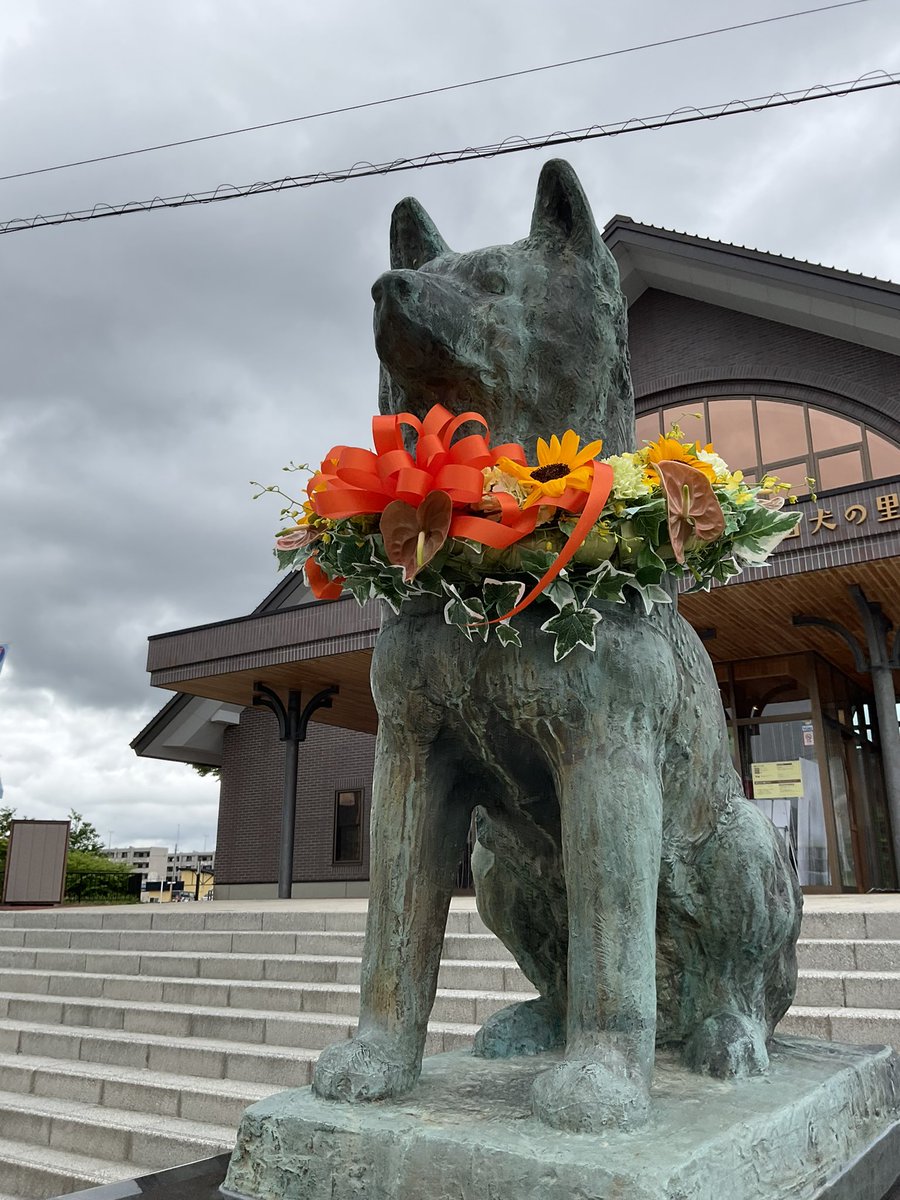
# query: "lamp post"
{"type": "Point", "coordinates": [292, 724]}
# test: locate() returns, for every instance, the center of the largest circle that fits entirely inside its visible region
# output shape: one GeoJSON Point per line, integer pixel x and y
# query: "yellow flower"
{"type": "Point", "coordinates": [667, 449]}
{"type": "Point", "coordinates": [561, 465]}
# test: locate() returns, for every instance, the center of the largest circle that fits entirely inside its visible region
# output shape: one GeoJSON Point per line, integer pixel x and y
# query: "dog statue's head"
{"type": "Point", "coordinates": [532, 335]}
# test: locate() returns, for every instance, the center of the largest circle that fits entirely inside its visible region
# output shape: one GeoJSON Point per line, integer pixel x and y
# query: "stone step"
{"type": "Point", "coordinates": [849, 989]}
{"type": "Point", "coordinates": [214, 1101]}
{"type": "Point", "coordinates": [278, 967]}
{"type": "Point", "coordinates": [282, 1066]}
{"type": "Point", "coordinates": [844, 954]}
{"type": "Point", "coordinates": [284, 970]}
{"type": "Point", "coordinates": [860, 1026]}
{"type": "Point", "coordinates": [293, 998]}
{"type": "Point", "coordinates": [468, 1004]}
{"type": "Point", "coordinates": [327, 943]}
{"type": "Point", "coordinates": [878, 923]}
{"type": "Point", "coordinates": [138, 1141]}
{"type": "Point", "coordinates": [313, 1030]}
{"type": "Point", "coordinates": [33, 1173]}
{"type": "Point", "coordinates": [168, 918]}
{"type": "Point", "coordinates": [215, 1058]}
{"type": "Point", "coordinates": [881, 924]}
{"type": "Point", "coordinates": [95, 967]}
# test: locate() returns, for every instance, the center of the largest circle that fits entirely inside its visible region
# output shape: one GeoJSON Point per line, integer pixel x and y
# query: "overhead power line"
{"type": "Point", "coordinates": [450, 87]}
{"type": "Point", "coordinates": [871, 81]}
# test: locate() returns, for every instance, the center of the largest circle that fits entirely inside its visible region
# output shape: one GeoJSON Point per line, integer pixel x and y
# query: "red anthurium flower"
{"type": "Point", "coordinates": [412, 536]}
{"type": "Point", "coordinates": [693, 510]}
{"type": "Point", "coordinates": [322, 587]}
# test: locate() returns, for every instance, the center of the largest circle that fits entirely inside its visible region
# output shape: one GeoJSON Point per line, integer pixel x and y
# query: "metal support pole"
{"type": "Point", "coordinates": [288, 818]}
{"type": "Point", "coordinates": [292, 725]}
{"type": "Point", "coordinates": [876, 627]}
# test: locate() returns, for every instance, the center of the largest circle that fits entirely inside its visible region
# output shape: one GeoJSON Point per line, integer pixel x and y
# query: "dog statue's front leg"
{"type": "Point", "coordinates": [611, 827]}
{"type": "Point", "coordinates": [418, 836]}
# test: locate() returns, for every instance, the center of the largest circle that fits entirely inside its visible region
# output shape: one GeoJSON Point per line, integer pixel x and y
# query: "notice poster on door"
{"type": "Point", "coordinates": [777, 780]}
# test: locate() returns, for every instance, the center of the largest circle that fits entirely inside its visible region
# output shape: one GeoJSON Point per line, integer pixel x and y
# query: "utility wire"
{"type": "Point", "coordinates": [450, 87]}
{"type": "Point", "coordinates": [871, 81]}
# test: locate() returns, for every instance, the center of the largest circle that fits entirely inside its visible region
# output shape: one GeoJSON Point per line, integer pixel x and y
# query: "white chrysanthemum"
{"type": "Point", "coordinates": [628, 477]}
{"type": "Point", "coordinates": [718, 464]}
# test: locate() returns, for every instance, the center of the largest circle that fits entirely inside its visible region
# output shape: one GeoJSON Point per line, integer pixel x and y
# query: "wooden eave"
{"type": "Point", "coordinates": [754, 618]}
{"type": "Point", "coordinates": [309, 647]}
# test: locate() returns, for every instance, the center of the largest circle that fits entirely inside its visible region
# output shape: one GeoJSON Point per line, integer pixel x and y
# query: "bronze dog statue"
{"type": "Point", "coordinates": [646, 899]}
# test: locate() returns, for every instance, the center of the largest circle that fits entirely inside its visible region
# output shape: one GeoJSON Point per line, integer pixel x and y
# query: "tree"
{"type": "Point", "coordinates": [6, 816]}
{"type": "Point", "coordinates": [84, 836]}
{"type": "Point", "coordinates": [204, 769]}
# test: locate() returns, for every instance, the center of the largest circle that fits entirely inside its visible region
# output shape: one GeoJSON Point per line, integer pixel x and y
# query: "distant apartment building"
{"type": "Point", "coordinates": [178, 864]}
{"type": "Point", "coordinates": [150, 862]}
{"type": "Point", "coordinates": [156, 865]}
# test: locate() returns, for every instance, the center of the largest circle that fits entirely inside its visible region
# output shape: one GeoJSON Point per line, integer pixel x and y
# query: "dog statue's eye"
{"type": "Point", "coordinates": [494, 282]}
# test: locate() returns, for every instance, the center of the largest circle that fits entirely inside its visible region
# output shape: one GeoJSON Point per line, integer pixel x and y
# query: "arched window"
{"type": "Point", "coordinates": [758, 434]}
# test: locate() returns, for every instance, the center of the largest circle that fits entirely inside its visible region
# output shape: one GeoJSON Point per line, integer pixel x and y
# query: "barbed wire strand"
{"type": "Point", "coordinates": [450, 87]}
{"type": "Point", "coordinates": [687, 115]}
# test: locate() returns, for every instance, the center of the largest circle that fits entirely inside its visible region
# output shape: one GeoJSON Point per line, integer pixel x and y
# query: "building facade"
{"type": "Point", "coordinates": [150, 862]}
{"type": "Point", "coordinates": [787, 367]}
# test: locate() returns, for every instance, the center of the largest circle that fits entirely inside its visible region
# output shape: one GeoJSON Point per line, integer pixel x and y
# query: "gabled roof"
{"type": "Point", "coordinates": [290, 591]}
{"type": "Point", "coordinates": [840, 304]}
{"type": "Point", "coordinates": [188, 729]}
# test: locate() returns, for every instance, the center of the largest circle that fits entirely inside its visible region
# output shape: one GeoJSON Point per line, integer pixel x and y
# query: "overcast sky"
{"type": "Point", "coordinates": [152, 365]}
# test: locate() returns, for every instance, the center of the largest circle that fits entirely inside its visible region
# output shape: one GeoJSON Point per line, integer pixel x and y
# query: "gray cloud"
{"type": "Point", "coordinates": [152, 365]}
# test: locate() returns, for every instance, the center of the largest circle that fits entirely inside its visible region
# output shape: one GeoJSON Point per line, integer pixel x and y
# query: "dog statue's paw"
{"type": "Point", "coordinates": [363, 1069]}
{"type": "Point", "coordinates": [728, 1045]}
{"type": "Point", "coordinates": [530, 1027]}
{"type": "Point", "coordinates": [584, 1095]}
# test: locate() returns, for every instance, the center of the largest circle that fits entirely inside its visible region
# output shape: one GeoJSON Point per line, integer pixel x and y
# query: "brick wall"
{"type": "Point", "coordinates": [250, 803]}
{"type": "Point", "coordinates": [683, 349]}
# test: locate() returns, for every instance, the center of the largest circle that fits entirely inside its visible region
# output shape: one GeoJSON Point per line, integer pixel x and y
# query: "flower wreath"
{"type": "Point", "coordinates": [490, 534]}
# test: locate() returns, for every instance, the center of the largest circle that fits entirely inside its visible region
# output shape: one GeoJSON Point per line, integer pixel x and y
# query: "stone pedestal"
{"type": "Point", "coordinates": [823, 1123]}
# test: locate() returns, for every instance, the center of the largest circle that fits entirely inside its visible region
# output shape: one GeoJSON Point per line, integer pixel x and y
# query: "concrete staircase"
{"type": "Point", "coordinates": [131, 1039]}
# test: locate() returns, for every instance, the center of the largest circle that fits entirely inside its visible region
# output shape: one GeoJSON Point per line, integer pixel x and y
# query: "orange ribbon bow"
{"type": "Point", "coordinates": [352, 482]}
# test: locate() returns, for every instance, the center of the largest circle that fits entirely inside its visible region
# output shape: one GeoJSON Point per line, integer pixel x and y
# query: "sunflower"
{"type": "Point", "coordinates": [561, 465]}
{"type": "Point", "coordinates": [668, 449]}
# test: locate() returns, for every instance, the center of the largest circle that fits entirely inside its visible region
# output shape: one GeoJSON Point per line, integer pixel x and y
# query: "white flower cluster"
{"type": "Point", "coordinates": [718, 464]}
{"type": "Point", "coordinates": [628, 477]}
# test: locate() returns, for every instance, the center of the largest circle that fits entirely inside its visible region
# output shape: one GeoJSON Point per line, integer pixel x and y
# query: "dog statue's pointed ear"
{"type": "Point", "coordinates": [414, 236]}
{"type": "Point", "coordinates": [562, 215]}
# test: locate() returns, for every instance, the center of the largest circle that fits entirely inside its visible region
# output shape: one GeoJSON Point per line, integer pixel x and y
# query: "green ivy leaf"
{"type": "Point", "coordinates": [570, 628]}
{"type": "Point", "coordinates": [289, 560]}
{"type": "Point", "coordinates": [480, 619]}
{"type": "Point", "coordinates": [650, 594]}
{"type": "Point", "coordinates": [536, 562]}
{"type": "Point", "coordinates": [507, 635]}
{"type": "Point", "coordinates": [607, 582]}
{"type": "Point", "coordinates": [353, 554]}
{"type": "Point", "coordinates": [464, 613]}
{"type": "Point", "coordinates": [362, 590]}
{"type": "Point", "coordinates": [561, 593]}
{"type": "Point", "coordinates": [502, 595]}
{"type": "Point", "coordinates": [648, 560]}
